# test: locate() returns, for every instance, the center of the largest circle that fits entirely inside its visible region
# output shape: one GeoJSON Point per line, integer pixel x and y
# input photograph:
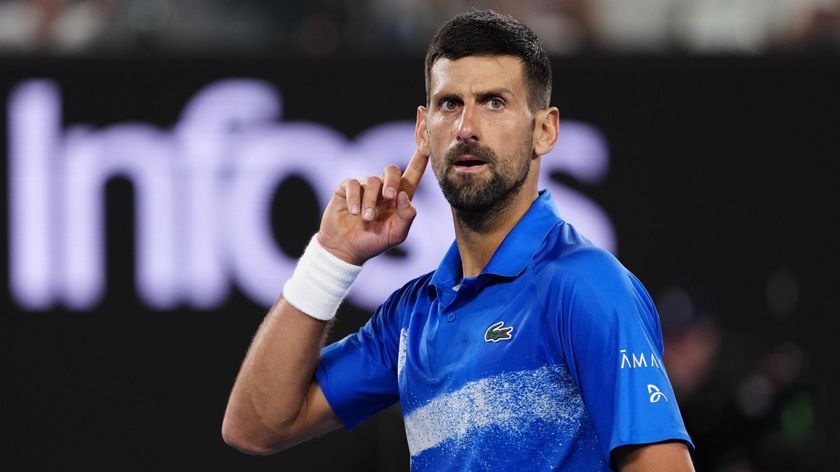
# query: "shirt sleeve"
{"type": "Point", "coordinates": [612, 341]}
{"type": "Point", "coordinates": [358, 374]}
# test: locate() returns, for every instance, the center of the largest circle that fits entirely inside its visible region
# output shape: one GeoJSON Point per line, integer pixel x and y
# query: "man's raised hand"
{"type": "Point", "coordinates": [365, 218]}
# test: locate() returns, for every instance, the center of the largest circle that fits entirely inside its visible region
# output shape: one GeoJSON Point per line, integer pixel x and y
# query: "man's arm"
{"type": "Point", "coordinates": [276, 402]}
{"type": "Point", "coordinates": [612, 342]}
{"type": "Point", "coordinates": [668, 456]}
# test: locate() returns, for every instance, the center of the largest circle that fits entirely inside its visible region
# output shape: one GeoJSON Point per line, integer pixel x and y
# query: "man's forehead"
{"type": "Point", "coordinates": [485, 71]}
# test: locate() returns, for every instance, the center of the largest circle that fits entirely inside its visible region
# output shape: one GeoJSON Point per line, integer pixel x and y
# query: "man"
{"type": "Point", "coordinates": [527, 349]}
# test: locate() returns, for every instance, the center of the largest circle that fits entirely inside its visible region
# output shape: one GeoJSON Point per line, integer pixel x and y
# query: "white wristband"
{"type": "Point", "coordinates": [320, 282]}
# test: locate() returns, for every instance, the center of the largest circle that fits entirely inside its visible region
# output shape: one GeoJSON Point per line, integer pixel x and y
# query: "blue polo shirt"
{"type": "Point", "coordinates": [547, 360]}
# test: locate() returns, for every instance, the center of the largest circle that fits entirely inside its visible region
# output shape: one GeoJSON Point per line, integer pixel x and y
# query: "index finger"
{"type": "Point", "coordinates": [414, 172]}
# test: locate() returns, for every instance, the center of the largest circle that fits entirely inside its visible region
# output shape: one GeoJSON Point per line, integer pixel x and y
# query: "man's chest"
{"type": "Point", "coordinates": [490, 334]}
{"type": "Point", "coordinates": [491, 374]}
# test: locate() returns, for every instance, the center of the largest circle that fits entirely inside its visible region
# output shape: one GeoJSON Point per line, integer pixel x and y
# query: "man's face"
{"type": "Point", "coordinates": [480, 129]}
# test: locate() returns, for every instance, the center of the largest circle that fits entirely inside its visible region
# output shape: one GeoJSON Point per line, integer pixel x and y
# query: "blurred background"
{"type": "Point", "coordinates": [321, 27]}
{"type": "Point", "coordinates": [164, 163]}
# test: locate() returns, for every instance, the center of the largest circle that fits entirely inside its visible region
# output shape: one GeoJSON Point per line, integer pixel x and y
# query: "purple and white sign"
{"type": "Point", "coordinates": [203, 193]}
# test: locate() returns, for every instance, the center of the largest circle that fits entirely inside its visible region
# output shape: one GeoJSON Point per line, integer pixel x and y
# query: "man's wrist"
{"type": "Point", "coordinates": [336, 251]}
{"type": "Point", "coordinates": [320, 282]}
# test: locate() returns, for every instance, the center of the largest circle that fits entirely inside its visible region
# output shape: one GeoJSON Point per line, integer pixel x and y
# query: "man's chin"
{"type": "Point", "coordinates": [472, 192]}
{"type": "Point", "coordinates": [471, 200]}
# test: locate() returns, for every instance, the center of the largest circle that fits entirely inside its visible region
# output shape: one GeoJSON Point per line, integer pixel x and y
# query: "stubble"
{"type": "Point", "coordinates": [478, 199]}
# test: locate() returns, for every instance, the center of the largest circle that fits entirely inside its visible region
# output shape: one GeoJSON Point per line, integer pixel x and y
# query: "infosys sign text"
{"type": "Point", "coordinates": [203, 191]}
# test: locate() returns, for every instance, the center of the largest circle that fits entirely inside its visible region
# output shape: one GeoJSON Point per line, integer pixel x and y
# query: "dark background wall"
{"type": "Point", "coordinates": [722, 189]}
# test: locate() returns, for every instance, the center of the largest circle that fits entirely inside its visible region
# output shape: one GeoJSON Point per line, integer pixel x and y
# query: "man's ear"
{"type": "Point", "coordinates": [421, 132]}
{"type": "Point", "coordinates": [546, 127]}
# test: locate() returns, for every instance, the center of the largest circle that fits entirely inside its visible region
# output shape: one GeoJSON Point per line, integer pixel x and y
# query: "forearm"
{"type": "Point", "coordinates": [271, 389]}
{"type": "Point", "coordinates": [275, 402]}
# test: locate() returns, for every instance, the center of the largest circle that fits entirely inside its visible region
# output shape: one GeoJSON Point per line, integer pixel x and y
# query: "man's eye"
{"type": "Point", "coordinates": [448, 104]}
{"type": "Point", "coordinates": [496, 103]}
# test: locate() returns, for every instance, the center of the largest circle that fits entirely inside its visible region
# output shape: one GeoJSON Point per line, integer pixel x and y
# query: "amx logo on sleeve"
{"type": "Point", "coordinates": [639, 360]}
{"type": "Point", "coordinates": [203, 193]}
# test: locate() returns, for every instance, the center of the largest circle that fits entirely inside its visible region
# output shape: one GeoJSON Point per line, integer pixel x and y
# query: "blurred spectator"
{"type": "Point", "coordinates": [740, 25]}
{"type": "Point", "coordinates": [644, 25]}
{"type": "Point", "coordinates": [749, 408]}
{"type": "Point", "coordinates": [692, 340]}
{"type": "Point", "coordinates": [731, 25]}
{"type": "Point", "coordinates": [52, 25]}
{"type": "Point", "coordinates": [563, 25]}
{"type": "Point", "coordinates": [817, 28]}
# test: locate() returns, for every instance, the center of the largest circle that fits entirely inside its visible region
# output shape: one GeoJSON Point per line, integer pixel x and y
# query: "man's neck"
{"type": "Point", "coordinates": [478, 242]}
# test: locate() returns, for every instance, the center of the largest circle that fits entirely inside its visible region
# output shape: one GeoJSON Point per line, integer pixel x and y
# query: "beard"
{"type": "Point", "coordinates": [477, 198]}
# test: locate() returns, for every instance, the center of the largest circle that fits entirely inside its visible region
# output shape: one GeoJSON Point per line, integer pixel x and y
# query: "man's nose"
{"type": "Point", "coordinates": [468, 125]}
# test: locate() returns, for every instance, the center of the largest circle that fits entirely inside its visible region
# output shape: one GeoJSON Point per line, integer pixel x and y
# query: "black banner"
{"type": "Point", "coordinates": [154, 207]}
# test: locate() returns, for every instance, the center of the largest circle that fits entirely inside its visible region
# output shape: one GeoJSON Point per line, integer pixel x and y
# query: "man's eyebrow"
{"type": "Point", "coordinates": [497, 92]}
{"type": "Point", "coordinates": [445, 96]}
{"type": "Point", "coordinates": [481, 95]}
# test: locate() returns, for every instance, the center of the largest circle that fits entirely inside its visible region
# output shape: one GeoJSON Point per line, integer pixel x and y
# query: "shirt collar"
{"type": "Point", "coordinates": [516, 251]}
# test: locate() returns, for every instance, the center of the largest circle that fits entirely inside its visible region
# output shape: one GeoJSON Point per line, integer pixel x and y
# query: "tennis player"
{"type": "Point", "coordinates": [528, 348]}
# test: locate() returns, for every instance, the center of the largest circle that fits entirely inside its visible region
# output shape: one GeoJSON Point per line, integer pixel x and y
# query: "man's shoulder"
{"type": "Point", "coordinates": [583, 273]}
{"type": "Point", "coordinates": [390, 316]}
{"type": "Point", "coordinates": [567, 254]}
{"type": "Point", "coordinates": [410, 292]}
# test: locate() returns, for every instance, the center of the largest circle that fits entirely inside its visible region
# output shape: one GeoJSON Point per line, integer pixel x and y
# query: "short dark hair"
{"type": "Point", "coordinates": [487, 33]}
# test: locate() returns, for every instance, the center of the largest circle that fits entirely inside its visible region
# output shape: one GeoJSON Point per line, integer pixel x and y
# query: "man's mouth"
{"type": "Point", "coordinates": [468, 163]}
